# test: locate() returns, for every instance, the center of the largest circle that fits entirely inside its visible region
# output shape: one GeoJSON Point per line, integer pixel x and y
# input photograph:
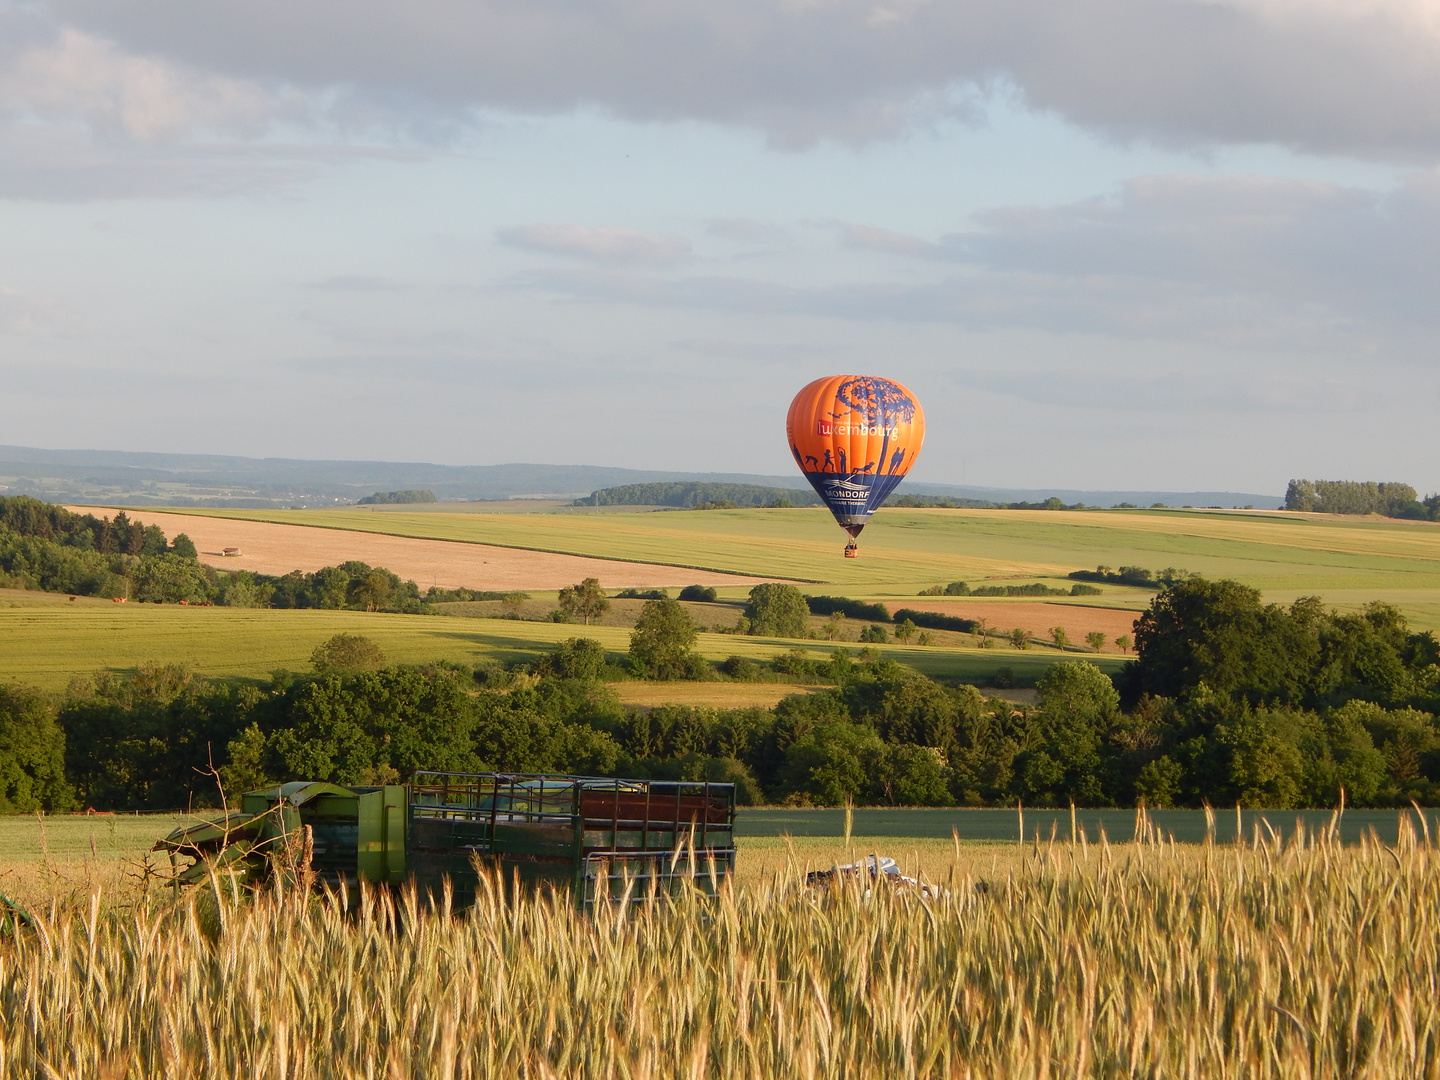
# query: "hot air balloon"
{"type": "Point", "coordinates": [854, 437]}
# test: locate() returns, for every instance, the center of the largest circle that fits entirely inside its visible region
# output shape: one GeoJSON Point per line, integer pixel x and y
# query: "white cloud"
{"type": "Point", "coordinates": [601, 243]}
{"type": "Point", "coordinates": [1357, 77]}
{"type": "Point", "coordinates": [80, 78]}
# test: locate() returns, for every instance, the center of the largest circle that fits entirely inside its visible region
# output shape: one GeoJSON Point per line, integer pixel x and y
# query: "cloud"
{"type": "Point", "coordinates": [1358, 77]}
{"type": "Point", "coordinates": [600, 243]}
{"type": "Point", "coordinates": [80, 78]}
{"type": "Point", "coordinates": [867, 236]}
{"type": "Point", "coordinates": [1236, 261]}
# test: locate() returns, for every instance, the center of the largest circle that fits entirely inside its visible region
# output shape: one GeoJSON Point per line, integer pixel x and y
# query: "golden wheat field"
{"type": "Point", "coordinates": [1151, 960]}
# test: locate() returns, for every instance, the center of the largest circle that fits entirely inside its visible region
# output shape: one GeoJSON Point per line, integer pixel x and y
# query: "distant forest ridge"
{"type": "Point", "coordinates": [689, 495]}
{"type": "Point", "coordinates": [108, 478]}
{"type": "Point", "coordinates": [1356, 497]}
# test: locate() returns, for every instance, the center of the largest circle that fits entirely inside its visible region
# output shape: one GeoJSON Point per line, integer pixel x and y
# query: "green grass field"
{"type": "Point", "coordinates": [904, 550]}
{"type": "Point", "coordinates": [48, 640]}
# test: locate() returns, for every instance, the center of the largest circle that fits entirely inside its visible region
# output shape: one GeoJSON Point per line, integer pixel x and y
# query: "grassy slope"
{"type": "Point", "coordinates": [48, 640]}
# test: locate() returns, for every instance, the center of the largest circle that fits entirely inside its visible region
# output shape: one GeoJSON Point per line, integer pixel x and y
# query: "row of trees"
{"type": "Point", "coordinates": [692, 494]}
{"type": "Point", "coordinates": [1227, 700]}
{"type": "Point", "coordinates": [1357, 497]}
{"type": "Point", "coordinates": [49, 548]}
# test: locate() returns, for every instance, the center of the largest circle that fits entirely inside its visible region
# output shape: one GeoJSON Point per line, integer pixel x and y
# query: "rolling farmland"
{"type": "Point", "coordinates": [49, 640]}
{"type": "Point", "coordinates": [903, 549]}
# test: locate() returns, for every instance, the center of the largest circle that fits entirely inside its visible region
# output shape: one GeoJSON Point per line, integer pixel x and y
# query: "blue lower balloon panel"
{"type": "Point", "coordinates": [854, 497]}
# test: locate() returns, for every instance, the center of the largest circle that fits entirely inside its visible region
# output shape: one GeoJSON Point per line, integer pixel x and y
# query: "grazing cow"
{"type": "Point", "coordinates": [74, 598]}
{"type": "Point", "coordinates": [119, 599]}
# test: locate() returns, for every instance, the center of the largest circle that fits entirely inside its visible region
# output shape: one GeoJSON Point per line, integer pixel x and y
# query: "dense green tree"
{"type": "Point", "coordinates": [833, 763]}
{"type": "Point", "coordinates": [584, 601]}
{"type": "Point", "coordinates": [346, 654]}
{"type": "Point", "coordinates": [661, 643]}
{"type": "Point", "coordinates": [32, 755]}
{"type": "Point", "coordinates": [578, 658]}
{"type": "Point", "coordinates": [777, 610]}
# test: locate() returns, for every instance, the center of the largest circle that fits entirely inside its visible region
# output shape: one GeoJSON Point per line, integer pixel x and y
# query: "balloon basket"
{"type": "Point", "coordinates": [852, 551]}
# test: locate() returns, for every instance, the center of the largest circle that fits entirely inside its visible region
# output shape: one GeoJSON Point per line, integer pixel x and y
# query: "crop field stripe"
{"type": "Point", "coordinates": [430, 535]}
{"type": "Point", "coordinates": [48, 644]}
{"type": "Point", "coordinates": [904, 546]}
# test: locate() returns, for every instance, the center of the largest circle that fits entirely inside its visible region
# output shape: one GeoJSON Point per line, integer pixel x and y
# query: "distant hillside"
{"type": "Point", "coordinates": [695, 494]}
{"type": "Point", "coordinates": [137, 479]}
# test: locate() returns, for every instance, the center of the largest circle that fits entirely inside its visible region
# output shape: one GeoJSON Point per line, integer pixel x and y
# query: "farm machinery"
{"type": "Point", "coordinates": [601, 839]}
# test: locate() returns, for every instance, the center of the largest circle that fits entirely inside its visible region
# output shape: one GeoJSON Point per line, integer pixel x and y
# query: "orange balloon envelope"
{"type": "Point", "coordinates": [855, 437]}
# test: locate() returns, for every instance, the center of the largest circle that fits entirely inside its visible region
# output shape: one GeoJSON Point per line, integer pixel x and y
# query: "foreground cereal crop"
{"type": "Point", "coordinates": [1147, 960]}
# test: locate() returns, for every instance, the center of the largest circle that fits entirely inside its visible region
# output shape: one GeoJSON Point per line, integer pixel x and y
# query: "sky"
{"type": "Point", "coordinates": [1110, 244]}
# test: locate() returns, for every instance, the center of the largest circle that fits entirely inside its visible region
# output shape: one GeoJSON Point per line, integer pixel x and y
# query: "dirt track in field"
{"type": "Point", "coordinates": [1037, 618]}
{"type": "Point", "coordinates": [269, 548]}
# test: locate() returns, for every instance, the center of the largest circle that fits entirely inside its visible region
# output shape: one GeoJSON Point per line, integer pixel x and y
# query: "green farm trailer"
{"type": "Point", "coordinates": [594, 836]}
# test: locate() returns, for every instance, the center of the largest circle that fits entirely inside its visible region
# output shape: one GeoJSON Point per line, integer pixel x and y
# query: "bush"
{"type": "Point", "coordinates": [874, 634]}
{"type": "Point", "coordinates": [643, 594]}
{"type": "Point", "coordinates": [1080, 589]}
{"type": "Point", "coordinates": [777, 610]}
{"type": "Point", "coordinates": [934, 621]}
{"type": "Point", "coordinates": [578, 658]}
{"type": "Point", "coordinates": [957, 588]}
{"type": "Point", "coordinates": [345, 654]}
{"type": "Point", "coordinates": [851, 609]}
{"type": "Point", "coordinates": [743, 669]}
{"type": "Point", "coordinates": [699, 594]}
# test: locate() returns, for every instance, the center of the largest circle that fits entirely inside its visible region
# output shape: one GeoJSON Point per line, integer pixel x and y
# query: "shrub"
{"type": "Point", "coordinates": [700, 594]}
{"type": "Point", "coordinates": [777, 610]}
{"type": "Point", "coordinates": [643, 594]}
{"type": "Point", "coordinates": [934, 621]}
{"type": "Point", "coordinates": [578, 658]}
{"type": "Point", "coordinates": [852, 609]}
{"type": "Point", "coordinates": [347, 653]}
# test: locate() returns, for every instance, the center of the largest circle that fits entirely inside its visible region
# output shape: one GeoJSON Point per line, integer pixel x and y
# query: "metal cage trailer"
{"type": "Point", "coordinates": [598, 837]}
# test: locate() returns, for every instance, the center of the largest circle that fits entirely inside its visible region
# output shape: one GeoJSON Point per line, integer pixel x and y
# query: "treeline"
{"type": "Point", "coordinates": [1228, 700]}
{"type": "Point", "coordinates": [1356, 497]}
{"type": "Point", "coordinates": [693, 495]}
{"type": "Point", "coordinates": [1131, 575]}
{"type": "Point", "coordinates": [410, 495]}
{"type": "Point", "coordinates": [951, 502]}
{"type": "Point", "coordinates": [50, 549]}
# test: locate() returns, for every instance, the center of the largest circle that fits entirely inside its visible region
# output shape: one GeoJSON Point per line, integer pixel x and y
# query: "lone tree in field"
{"type": "Point", "coordinates": [344, 654]}
{"type": "Point", "coordinates": [585, 601]}
{"type": "Point", "coordinates": [1059, 636]}
{"type": "Point", "coordinates": [905, 631]}
{"type": "Point", "coordinates": [1123, 643]}
{"type": "Point", "coordinates": [777, 610]}
{"type": "Point", "coordinates": [661, 642]}
{"type": "Point", "coordinates": [1020, 638]}
{"type": "Point", "coordinates": [1095, 639]}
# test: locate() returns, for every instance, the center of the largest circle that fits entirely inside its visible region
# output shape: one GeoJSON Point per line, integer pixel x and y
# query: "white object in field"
{"type": "Point", "coordinates": [873, 866]}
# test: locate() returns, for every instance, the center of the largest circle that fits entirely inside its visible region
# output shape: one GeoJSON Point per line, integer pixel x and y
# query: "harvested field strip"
{"type": "Point", "coordinates": [1142, 960]}
{"type": "Point", "coordinates": [1038, 618]}
{"type": "Point", "coordinates": [271, 548]}
{"type": "Point", "coordinates": [711, 695]}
